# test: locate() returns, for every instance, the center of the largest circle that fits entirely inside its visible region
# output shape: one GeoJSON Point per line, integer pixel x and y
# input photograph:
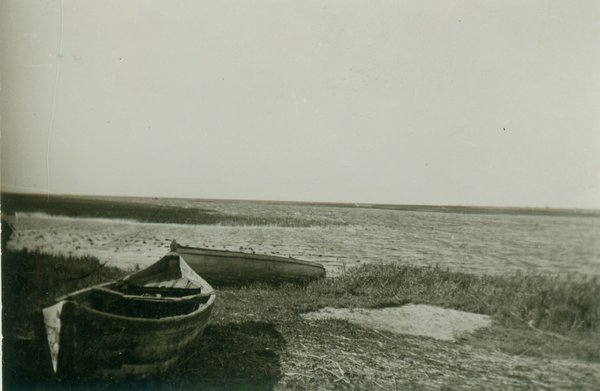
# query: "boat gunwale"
{"type": "Point", "coordinates": [211, 294]}
{"type": "Point", "coordinates": [202, 307]}
{"type": "Point", "coordinates": [152, 298]}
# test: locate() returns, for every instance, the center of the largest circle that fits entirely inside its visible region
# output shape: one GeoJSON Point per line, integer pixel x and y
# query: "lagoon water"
{"type": "Point", "coordinates": [338, 237]}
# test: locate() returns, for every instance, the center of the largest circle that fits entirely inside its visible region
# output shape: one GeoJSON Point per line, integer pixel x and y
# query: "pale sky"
{"type": "Point", "coordinates": [403, 102]}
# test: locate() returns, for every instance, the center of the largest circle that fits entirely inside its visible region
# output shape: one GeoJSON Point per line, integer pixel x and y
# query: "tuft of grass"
{"type": "Point", "coordinates": [557, 316]}
{"type": "Point", "coordinates": [31, 279]}
{"type": "Point", "coordinates": [546, 302]}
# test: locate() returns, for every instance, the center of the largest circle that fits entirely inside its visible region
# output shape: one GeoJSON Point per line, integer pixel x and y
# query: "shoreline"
{"type": "Point", "coordinates": [127, 244]}
{"type": "Point", "coordinates": [258, 338]}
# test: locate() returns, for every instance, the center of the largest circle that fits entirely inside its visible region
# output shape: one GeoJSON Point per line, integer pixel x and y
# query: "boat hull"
{"type": "Point", "coordinates": [138, 326]}
{"type": "Point", "coordinates": [219, 266]}
{"type": "Point", "coordinates": [103, 347]}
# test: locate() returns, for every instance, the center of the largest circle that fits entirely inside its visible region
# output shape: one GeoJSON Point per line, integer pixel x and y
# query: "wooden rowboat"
{"type": "Point", "coordinates": [222, 266]}
{"type": "Point", "coordinates": [135, 326]}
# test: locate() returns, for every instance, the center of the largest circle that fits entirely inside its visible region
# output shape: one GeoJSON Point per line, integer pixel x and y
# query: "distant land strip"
{"type": "Point", "coordinates": [141, 209]}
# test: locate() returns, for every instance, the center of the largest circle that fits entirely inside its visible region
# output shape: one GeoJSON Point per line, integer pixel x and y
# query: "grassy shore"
{"type": "Point", "coordinates": [256, 338]}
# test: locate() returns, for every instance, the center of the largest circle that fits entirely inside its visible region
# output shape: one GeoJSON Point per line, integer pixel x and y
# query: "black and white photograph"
{"type": "Point", "coordinates": [300, 195]}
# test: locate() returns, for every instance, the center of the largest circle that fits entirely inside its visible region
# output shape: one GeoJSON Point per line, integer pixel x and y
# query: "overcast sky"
{"type": "Point", "coordinates": [403, 102]}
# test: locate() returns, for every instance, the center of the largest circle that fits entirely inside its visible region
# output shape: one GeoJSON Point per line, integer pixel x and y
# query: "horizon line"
{"type": "Point", "coordinates": [349, 203]}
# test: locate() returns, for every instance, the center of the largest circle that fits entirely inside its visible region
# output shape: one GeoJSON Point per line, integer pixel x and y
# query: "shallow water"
{"type": "Point", "coordinates": [476, 243]}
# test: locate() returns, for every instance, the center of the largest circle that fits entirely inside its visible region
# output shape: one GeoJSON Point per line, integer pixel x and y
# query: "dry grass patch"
{"type": "Point", "coordinates": [330, 354]}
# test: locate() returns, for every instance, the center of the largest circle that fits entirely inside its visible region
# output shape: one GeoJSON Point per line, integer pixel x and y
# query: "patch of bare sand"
{"type": "Point", "coordinates": [421, 320]}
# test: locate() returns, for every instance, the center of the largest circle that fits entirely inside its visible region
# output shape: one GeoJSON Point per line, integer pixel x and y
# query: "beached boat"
{"type": "Point", "coordinates": [222, 266]}
{"type": "Point", "coordinates": [136, 326]}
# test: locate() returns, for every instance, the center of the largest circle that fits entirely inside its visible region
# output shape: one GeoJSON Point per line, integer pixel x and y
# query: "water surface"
{"type": "Point", "coordinates": [344, 237]}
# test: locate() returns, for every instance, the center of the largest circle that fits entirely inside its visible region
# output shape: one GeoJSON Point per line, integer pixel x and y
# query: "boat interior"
{"type": "Point", "coordinates": [146, 307]}
{"type": "Point", "coordinates": [165, 289]}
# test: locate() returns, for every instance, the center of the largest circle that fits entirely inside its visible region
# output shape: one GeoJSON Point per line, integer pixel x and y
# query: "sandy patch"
{"type": "Point", "coordinates": [421, 320]}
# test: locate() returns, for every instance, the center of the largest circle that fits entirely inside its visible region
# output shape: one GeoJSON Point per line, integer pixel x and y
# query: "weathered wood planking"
{"type": "Point", "coordinates": [96, 343]}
